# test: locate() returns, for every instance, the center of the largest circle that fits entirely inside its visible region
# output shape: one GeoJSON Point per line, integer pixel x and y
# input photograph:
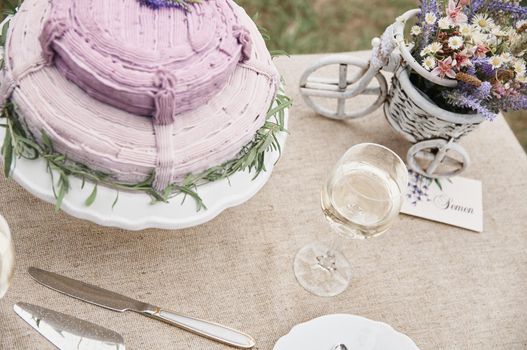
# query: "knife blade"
{"type": "Point", "coordinates": [68, 332]}
{"type": "Point", "coordinates": [117, 302]}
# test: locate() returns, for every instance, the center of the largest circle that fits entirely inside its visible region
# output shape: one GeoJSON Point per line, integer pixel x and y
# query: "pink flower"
{"type": "Point", "coordinates": [455, 14]}
{"type": "Point", "coordinates": [499, 90]}
{"type": "Point", "coordinates": [462, 59]}
{"type": "Point", "coordinates": [444, 68]}
{"type": "Point", "coordinates": [464, 2]}
{"type": "Point", "coordinates": [481, 51]}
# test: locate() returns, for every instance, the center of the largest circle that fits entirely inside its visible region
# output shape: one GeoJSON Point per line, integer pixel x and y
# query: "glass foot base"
{"type": "Point", "coordinates": [321, 271]}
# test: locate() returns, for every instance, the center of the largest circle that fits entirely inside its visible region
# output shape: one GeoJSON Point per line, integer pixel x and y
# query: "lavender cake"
{"type": "Point", "coordinates": [132, 88]}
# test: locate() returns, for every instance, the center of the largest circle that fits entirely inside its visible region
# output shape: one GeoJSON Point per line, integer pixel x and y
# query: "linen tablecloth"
{"type": "Point", "coordinates": [445, 287]}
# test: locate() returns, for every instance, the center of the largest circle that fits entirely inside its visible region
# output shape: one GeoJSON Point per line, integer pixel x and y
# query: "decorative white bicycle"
{"type": "Point", "coordinates": [435, 132]}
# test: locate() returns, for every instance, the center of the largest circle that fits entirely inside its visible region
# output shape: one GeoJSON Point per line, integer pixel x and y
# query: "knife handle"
{"type": "Point", "coordinates": [205, 329]}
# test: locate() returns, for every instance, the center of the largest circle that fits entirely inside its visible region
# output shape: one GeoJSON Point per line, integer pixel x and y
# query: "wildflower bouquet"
{"type": "Point", "coordinates": [480, 43]}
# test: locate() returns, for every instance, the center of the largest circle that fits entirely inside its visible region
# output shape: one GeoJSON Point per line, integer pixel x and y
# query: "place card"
{"type": "Point", "coordinates": [456, 201]}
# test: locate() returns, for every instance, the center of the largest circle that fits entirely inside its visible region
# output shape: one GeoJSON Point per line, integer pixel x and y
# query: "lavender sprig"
{"type": "Point", "coordinates": [515, 103]}
{"type": "Point", "coordinates": [427, 6]}
{"type": "Point", "coordinates": [513, 9]}
{"type": "Point", "coordinates": [156, 4]}
{"type": "Point", "coordinates": [461, 99]}
{"type": "Point", "coordinates": [483, 66]}
{"type": "Point", "coordinates": [418, 187]}
{"type": "Point", "coordinates": [483, 92]}
{"type": "Point", "coordinates": [476, 6]}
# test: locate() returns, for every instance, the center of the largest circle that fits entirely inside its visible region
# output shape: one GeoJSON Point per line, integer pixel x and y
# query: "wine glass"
{"type": "Point", "coordinates": [7, 257]}
{"type": "Point", "coordinates": [361, 198]}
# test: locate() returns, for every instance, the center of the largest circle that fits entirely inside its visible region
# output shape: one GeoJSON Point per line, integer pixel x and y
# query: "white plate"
{"type": "Point", "coordinates": [133, 211]}
{"type": "Point", "coordinates": [357, 333]}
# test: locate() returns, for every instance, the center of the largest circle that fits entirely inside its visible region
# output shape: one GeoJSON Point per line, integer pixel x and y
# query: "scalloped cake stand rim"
{"type": "Point", "coordinates": [133, 211]}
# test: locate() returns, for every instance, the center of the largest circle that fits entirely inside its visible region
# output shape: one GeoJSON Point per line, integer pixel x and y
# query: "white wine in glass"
{"type": "Point", "coordinates": [361, 198]}
{"type": "Point", "coordinates": [7, 257]}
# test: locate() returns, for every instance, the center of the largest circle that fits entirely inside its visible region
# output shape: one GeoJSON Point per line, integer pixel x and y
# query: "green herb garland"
{"type": "Point", "coordinates": [19, 143]}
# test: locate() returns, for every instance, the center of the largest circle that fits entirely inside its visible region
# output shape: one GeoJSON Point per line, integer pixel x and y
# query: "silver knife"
{"type": "Point", "coordinates": [120, 303]}
{"type": "Point", "coordinates": [68, 332]}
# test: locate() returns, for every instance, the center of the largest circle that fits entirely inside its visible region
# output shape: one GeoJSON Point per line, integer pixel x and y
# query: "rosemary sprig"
{"type": "Point", "coordinates": [19, 143]}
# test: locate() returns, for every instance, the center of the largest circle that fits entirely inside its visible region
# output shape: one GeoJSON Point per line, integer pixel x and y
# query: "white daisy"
{"type": "Point", "coordinates": [521, 78]}
{"type": "Point", "coordinates": [516, 37]}
{"type": "Point", "coordinates": [455, 42]}
{"type": "Point", "coordinates": [483, 21]}
{"type": "Point", "coordinates": [498, 31]}
{"type": "Point", "coordinates": [478, 37]}
{"type": "Point", "coordinates": [496, 62]}
{"type": "Point", "coordinates": [444, 23]}
{"type": "Point", "coordinates": [415, 31]}
{"type": "Point", "coordinates": [430, 18]}
{"type": "Point", "coordinates": [506, 57]}
{"type": "Point", "coordinates": [465, 30]}
{"type": "Point", "coordinates": [519, 67]}
{"type": "Point", "coordinates": [434, 47]}
{"type": "Point", "coordinates": [429, 63]}
{"type": "Point", "coordinates": [507, 31]}
{"type": "Point", "coordinates": [492, 40]}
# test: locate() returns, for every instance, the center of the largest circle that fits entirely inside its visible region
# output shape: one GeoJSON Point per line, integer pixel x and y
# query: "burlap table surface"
{"type": "Point", "coordinates": [445, 287]}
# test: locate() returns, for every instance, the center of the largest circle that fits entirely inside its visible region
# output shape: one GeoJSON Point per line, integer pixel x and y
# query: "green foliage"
{"type": "Point", "coordinates": [18, 143]}
{"type": "Point", "coordinates": [8, 7]}
{"type": "Point", "coordinates": [7, 152]}
{"type": "Point", "coordinates": [307, 26]}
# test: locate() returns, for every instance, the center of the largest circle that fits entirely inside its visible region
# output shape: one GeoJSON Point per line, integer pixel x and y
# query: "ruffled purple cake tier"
{"type": "Point", "coordinates": [151, 62]}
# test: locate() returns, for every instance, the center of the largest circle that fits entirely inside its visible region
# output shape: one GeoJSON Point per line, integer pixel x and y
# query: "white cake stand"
{"type": "Point", "coordinates": [134, 211]}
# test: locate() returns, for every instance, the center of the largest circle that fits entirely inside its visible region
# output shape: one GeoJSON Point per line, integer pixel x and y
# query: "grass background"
{"type": "Point", "coordinates": [308, 26]}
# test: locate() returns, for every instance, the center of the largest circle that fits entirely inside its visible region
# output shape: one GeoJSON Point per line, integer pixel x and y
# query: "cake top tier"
{"type": "Point", "coordinates": [149, 58]}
